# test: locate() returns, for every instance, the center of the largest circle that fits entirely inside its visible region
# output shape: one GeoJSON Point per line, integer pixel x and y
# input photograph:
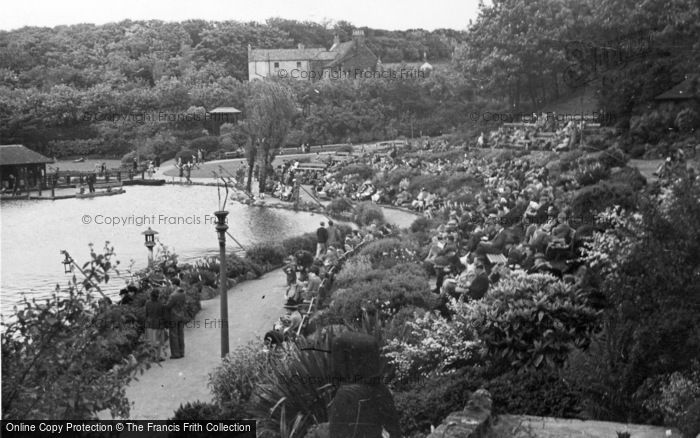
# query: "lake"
{"type": "Point", "coordinates": [34, 232]}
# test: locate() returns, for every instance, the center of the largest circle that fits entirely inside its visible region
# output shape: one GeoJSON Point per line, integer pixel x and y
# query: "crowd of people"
{"type": "Point", "coordinates": [309, 276]}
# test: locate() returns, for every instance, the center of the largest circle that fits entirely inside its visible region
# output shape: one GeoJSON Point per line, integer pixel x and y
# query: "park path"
{"type": "Point", "coordinates": [253, 307]}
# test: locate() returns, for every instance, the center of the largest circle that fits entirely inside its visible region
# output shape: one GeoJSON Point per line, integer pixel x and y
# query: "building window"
{"type": "Point", "coordinates": [298, 64]}
{"type": "Point", "coordinates": [277, 65]}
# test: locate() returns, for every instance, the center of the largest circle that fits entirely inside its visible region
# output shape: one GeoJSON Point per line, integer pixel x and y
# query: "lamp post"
{"type": "Point", "coordinates": [150, 236]}
{"type": "Point", "coordinates": [221, 228]}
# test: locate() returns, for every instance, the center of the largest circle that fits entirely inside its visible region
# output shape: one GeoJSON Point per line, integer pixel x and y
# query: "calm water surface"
{"type": "Point", "coordinates": [33, 233]}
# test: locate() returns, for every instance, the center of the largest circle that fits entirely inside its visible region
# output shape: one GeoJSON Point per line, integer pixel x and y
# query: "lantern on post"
{"type": "Point", "coordinates": [221, 228]}
{"type": "Point", "coordinates": [67, 262]}
{"type": "Point", "coordinates": [150, 236]}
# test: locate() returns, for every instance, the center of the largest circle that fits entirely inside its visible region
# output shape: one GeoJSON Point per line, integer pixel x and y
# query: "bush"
{"type": "Point", "coordinates": [613, 157]}
{"type": "Point", "coordinates": [687, 120]}
{"type": "Point", "coordinates": [677, 393]}
{"type": "Point", "coordinates": [652, 126]}
{"type": "Point", "coordinates": [361, 171]}
{"type": "Point", "coordinates": [366, 213]}
{"type": "Point", "coordinates": [589, 201]}
{"type": "Point", "coordinates": [588, 174]}
{"type": "Point", "coordinates": [534, 392]}
{"type": "Point", "coordinates": [385, 253]}
{"type": "Point", "coordinates": [689, 423]}
{"type": "Point", "coordinates": [235, 380]}
{"type": "Point", "coordinates": [628, 176]}
{"type": "Point", "coordinates": [305, 242]}
{"type": "Point", "coordinates": [266, 255]}
{"type": "Point", "coordinates": [568, 160]}
{"type": "Point", "coordinates": [198, 411]}
{"type": "Point", "coordinates": [648, 265]}
{"type": "Point", "coordinates": [338, 206]}
{"type": "Point", "coordinates": [356, 267]}
{"type": "Point", "coordinates": [207, 144]}
{"type": "Point", "coordinates": [421, 225]}
{"type": "Point", "coordinates": [532, 321]}
{"type": "Point", "coordinates": [427, 402]}
{"type": "Point", "coordinates": [383, 292]}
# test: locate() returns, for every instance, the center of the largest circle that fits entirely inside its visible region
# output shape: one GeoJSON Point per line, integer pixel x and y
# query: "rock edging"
{"type": "Point", "coordinates": [472, 422]}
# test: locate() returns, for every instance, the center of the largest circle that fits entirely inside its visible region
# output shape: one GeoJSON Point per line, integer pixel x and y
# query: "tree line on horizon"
{"type": "Point", "coordinates": [518, 56]}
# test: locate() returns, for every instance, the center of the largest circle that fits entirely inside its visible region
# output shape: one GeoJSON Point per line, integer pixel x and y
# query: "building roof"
{"type": "Point", "coordinates": [318, 53]}
{"type": "Point", "coordinates": [344, 51]}
{"type": "Point", "coordinates": [224, 110]}
{"type": "Point", "coordinates": [15, 154]}
{"type": "Point", "coordinates": [688, 89]}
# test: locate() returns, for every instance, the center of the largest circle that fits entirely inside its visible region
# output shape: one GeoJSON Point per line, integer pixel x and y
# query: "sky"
{"type": "Point", "coordinates": [379, 14]}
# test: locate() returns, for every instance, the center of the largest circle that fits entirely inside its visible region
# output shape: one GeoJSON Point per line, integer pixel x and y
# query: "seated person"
{"type": "Point", "coordinates": [289, 323]}
{"type": "Point", "coordinates": [294, 293]}
{"type": "Point", "coordinates": [480, 284]}
{"type": "Point", "coordinates": [290, 270]}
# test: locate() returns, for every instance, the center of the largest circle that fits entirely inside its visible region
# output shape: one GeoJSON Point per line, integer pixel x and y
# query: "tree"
{"type": "Point", "coordinates": [269, 111]}
{"type": "Point", "coordinates": [62, 359]}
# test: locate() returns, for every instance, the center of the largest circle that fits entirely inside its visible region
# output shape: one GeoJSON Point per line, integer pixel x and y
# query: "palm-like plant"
{"type": "Point", "coordinates": [297, 390]}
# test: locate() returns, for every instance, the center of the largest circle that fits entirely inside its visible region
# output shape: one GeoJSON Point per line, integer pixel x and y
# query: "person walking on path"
{"type": "Point", "coordinates": [178, 318]}
{"type": "Point", "coordinates": [322, 240]}
{"type": "Point", "coordinates": [155, 325]}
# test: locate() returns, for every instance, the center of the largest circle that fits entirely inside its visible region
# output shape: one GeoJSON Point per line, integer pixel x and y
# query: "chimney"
{"type": "Point", "coordinates": [300, 46]}
{"type": "Point", "coordinates": [336, 42]}
{"type": "Point", "coordinates": [358, 35]}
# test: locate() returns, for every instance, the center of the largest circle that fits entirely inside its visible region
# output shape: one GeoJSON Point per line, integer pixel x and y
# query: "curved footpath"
{"type": "Point", "coordinates": [254, 306]}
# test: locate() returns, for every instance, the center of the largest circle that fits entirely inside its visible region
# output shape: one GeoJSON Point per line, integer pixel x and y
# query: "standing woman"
{"type": "Point", "coordinates": [155, 324]}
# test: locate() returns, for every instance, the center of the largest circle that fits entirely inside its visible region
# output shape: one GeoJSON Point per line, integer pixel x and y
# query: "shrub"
{"type": "Point", "coordinates": [588, 174]}
{"type": "Point", "coordinates": [689, 423]}
{"type": "Point", "coordinates": [198, 411]}
{"type": "Point", "coordinates": [648, 265]}
{"type": "Point", "coordinates": [383, 292]}
{"type": "Point", "coordinates": [427, 402]}
{"type": "Point", "coordinates": [432, 345]}
{"type": "Point", "coordinates": [356, 267]}
{"type": "Point", "coordinates": [71, 355]}
{"type": "Point", "coordinates": [338, 206]}
{"type": "Point", "coordinates": [361, 171]}
{"type": "Point", "coordinates": [385, 253]}
{"type": "Point", "coordinates": [687, 120]}
{"type": "Point", "coordinates": [651, 126]}
{"type": "Point", "coordinates": [206, 143]}
{"type": "Point", "coordinates": [677, 393]}
{"type": "Point", "coordinates": [421, 224]}
{"type": "Point", "coordinates": [569, 159]}
{"type": "Point", "coordinates": [532, 321]}
{"type": "Point", "coordinates": [266, 254]}
{"type": "Point", "coordinates": [589, 201]}
{"type": "Point", "coordinates": [628, 176]}
{"type": "Point", "coordinates": [366, 213]}
{"type": "Point", "coordinates": [613, 157]}
{"type": "Point", "coordinates": [305, 242]}
{"type": "Point", "coordinates": [234, 381]}
{"type": "Point", "coordinates": [297, 387]}
{"type": "Point", "coordinates": [534, 392]}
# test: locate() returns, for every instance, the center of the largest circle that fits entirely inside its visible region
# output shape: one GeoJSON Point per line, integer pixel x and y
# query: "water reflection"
{"type": "Point", "coordinates": [33, 232]}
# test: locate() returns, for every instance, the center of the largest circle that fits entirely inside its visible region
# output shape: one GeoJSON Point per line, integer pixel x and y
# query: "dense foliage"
{"type": "Point", "coordinates": [73, 355]}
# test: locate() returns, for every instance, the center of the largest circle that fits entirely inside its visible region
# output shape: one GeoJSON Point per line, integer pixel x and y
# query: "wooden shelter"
{"type": "Point", "coordinates": [21, 168]}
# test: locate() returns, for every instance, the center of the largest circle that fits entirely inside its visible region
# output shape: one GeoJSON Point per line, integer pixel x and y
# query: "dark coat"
{"type": "Point", "coordinates": [176, 306]}
{"type": "Point", "coordinates": [156, 315]}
